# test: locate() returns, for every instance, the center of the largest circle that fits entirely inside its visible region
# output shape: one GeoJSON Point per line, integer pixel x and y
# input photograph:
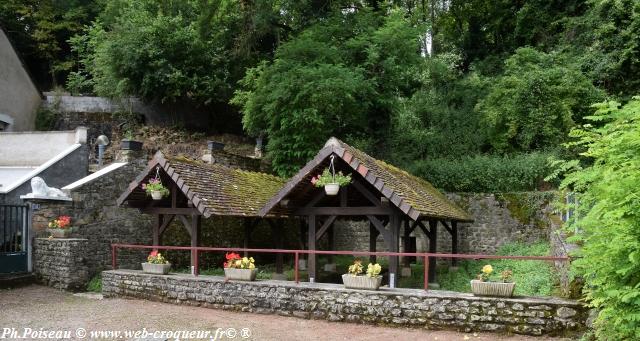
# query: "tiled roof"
{"type": "Point", "coordinates": [412, 195]}
{"type": "Point", "coordinates": [213, 189]}
{"type": "Point", "coordinates": [226, 191]}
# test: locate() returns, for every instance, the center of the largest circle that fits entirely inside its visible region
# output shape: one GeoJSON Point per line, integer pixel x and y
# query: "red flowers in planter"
{"type": "Point", "coordinates": [231, 258]}
{"type": "Point", "coordinates": [62, 222]}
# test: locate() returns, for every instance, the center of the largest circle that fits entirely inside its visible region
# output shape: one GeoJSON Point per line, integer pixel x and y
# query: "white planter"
{"type": "Point", "coordinates": [240, 274]}
{"type": "Point", "coordinates": [156, 195]}
{"type": "Point", "coordinates": [361, 282]}
{"type": "Point", "coordinates": [332, 189]}
{"type": "Point", "coordinates": [480, 288]}
{"type": "Point", "coordinates": [60, 233]}
{"type": "Point", "coordinates": [158, 269]}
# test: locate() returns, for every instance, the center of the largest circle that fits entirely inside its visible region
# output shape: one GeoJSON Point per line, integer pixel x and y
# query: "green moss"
{"type": "Point", "coordinates": [524, 206]}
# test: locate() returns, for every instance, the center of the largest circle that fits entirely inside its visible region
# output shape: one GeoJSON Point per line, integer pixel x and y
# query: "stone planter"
{"type": "Point", "coordinates": [213, 145]}
{"type": "Point", "coordinates": [130, 145]}
{"type": "Point", "coordinates": [60, 233]}
{"type": "Point", "coordinates": [240, 274]}
{"type": "Point", "coordinates": [332, 189]}
{"type": "Point", "coordinates": [156, 195]}
{"type": "Point", "coordinates": [158, 269]}
{"type": "Point", "coordinates": [480, 288]}
{"type": "Point", "coordinates": [361, 282]}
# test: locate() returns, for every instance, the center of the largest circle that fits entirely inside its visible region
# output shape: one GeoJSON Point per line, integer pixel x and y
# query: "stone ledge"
{"type": "Point", "coordinates": [397, 307]}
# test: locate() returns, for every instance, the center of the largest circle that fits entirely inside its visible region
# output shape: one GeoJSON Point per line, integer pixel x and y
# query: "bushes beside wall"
{"type": "Point", "coordinates": [485, 173]}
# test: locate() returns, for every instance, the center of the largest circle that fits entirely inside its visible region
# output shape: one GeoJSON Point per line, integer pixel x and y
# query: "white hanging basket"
{"type": "Point", "coordinates": [332, 189]}
{"type": "Point", "coordinates": [156, 195]}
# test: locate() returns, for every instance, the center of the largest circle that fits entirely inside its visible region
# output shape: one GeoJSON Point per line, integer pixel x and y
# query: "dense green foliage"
{"type": "Point", "coordinates": [608, 216]}
{"type": "Point", "coordinates": [485, 173]}
{"type": "Point", "coordinates": [95, 284]}
{"type": "Point", "coordinates": [533, 278]}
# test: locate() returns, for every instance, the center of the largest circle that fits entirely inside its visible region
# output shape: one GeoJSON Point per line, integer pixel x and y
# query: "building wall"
{"type": "Point", "coordinates": [19, 97]}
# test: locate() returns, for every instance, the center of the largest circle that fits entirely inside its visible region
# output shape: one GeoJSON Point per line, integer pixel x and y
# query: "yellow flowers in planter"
{"type": "Point", "coordinates": [234, 261]}
{"type": "Point", "coordinates": [373, 270]}
{"type": "Point", "coordinates": [487, 271]}
{"type": "Point", "coordinates": [356, 268]}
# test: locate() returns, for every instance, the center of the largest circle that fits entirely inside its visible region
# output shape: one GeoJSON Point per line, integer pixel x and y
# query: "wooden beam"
{"type": "Point", "coordinates": [325, 226]}
{"type": "Point", "coordinates": [156, 230]}
{"type": "Point", "coordinates": [446, 226]}
{"type": "Point", "coordinates": [248, 224]}
{"type": "Point", "coordinates": [394, 241]}
{"type": "Point", "coordinates": [311, 234]}
{"type": "Point", "coordinates": [433, 247]}
{"type": "Point", "coordinates": [373, 236]}
{"type": "Point", "coordinates": [169, 210]}
{"type": "Point", "coordinates": [174, 195]}
{"type": "Point", "coordinates": [277, 236]}
{"type": "Point", "coordinates": [454, 241]}
{"type": "Point", "coordinates": [346, 211]}
{"type": "Point", "coordinates": [167, 219]}
{"type": "Point", "coordinates": [186, 224]}
{"type": "Point", "coordinates": [316, 198]}
{"type": "Point", "coordinates": [367, 194]}
{"type": "Point", "coordinates": [380, 227]}
{"type": "Point", "coordinates": [196, 220]}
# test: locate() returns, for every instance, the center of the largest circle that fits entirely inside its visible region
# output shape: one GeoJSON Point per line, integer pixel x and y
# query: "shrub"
{"type": "Point", "coordinates": [485, 173]}
{"type": "Point", "coordinates": [609, 216]}
{"type": "Point", "coordinates": [95, 284]}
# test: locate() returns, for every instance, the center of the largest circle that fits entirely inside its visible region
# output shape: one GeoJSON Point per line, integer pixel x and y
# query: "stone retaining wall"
{"type": "Point", "coordinates": [397, 307]}
{"type": "Point", "coordinates": [62, 263]}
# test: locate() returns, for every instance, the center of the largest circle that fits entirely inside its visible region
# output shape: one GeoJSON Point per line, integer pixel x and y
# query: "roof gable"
{"type": "Point", "coordinates": [412, 195]}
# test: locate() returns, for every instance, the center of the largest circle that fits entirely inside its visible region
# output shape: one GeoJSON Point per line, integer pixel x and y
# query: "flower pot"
{"type": "Point", "coordinates": [60, 233]}
{"type": "Point", "coordinates": [130, 145]}
{"type": "Point", "coordinates": [480, 288]}
{"type": "Point", "coordinates": [361, 282]}
{"type": "Point", "coordinates": [240, 274]}
{"type": "Point", "coordinates": [158, 269]}
{"type": "Point", "coordinates": [332, 189]}
{"type": "Point", "coordinates": [156, 195]}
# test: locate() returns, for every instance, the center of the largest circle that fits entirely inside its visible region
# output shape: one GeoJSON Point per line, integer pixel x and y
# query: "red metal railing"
{"type": "Point", "coordinates": [425, 255]}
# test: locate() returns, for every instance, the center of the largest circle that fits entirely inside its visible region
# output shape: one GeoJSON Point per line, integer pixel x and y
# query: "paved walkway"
{"type": "Point", "coordinates": [45, 309]}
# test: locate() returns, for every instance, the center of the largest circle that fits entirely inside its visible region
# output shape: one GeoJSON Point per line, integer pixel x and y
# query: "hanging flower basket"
{"type": "Point", "coordinates": [155, 188]}
{"type": "Point", "coordinates": [330, 180]}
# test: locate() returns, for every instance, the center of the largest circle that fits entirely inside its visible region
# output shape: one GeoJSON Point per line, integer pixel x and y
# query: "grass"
{"type": "Point", "coordinates": [533, 278]}
{"type": "Point", "coordinates": [95, 284]}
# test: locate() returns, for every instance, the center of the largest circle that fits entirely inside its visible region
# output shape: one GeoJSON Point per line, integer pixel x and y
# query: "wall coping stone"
{"type": "Point", "coordinates": [339, 287]}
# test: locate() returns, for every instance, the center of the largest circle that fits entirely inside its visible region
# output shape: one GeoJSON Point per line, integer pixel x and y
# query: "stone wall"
{"type": "Point", "coordinates": [62, 263]}
{"type": "Point", "coordinates": [96, 218]}
{"type": "Point", "coordinates": [498, 219]}
{"type": "Point", "coordinates": [397, 307]}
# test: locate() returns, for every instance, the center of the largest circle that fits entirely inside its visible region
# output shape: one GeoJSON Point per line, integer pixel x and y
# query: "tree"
{"type": "Point", "coordinates": [535, 103]}
{"type": "Point", "coordinates": [608, 216]}
{"type": "Point", "coordinates": [340, 77]}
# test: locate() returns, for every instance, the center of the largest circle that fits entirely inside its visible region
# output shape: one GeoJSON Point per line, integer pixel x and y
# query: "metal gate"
{"type": "Point", "coordinates": [14, 232]}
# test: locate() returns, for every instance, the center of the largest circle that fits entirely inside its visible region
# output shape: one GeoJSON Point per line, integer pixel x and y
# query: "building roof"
{"type": "Point", "coordinates": [212, 189]}
{"type": "Point", "coordinates": [414, 196]}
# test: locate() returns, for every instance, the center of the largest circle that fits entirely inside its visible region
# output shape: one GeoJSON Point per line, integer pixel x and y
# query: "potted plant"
{"type": "Point", "coordinates": [354, 280]}
{"type": "Point", "coordinates": [239, 268]}
{"type": "Point", "coordinates": [59, 228]}
{"type": "Point", "coordinates": [156, 264]}
{"type": "Point", "coordinates": [128, 143]}
{"type": "Point", "coordinates": [488, 285]}
{"type": "Point", "coordinates": [331, 181]}
{"type": "Point", "coordinates": [155, 189]}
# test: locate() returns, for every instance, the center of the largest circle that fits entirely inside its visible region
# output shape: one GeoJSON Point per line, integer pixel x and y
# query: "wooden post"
{"type": "Point", "coordinates": [277, 235]}
{"type": "Point", "coordinates": [433, 246]}
{"type": "Point", "coordinates": [406, 261]}
{"type": "Point", "coordinates": [195, 236]}
{"type": "Point", "coordinates": [247, 234]}
{"type": "Point", "coordinates": [156, 230]}
{"type": "Point", "coordinates": [311, 234]}
{"type": "Point", "coordinates": [394, 242]}
{"type": "Point", "coordinates": [373, 236]}
{"type": "Point", "coordinates": [454, 241]}
{"type": "Point", "coordinates": [332, 243]}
